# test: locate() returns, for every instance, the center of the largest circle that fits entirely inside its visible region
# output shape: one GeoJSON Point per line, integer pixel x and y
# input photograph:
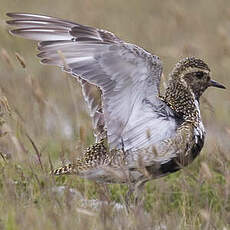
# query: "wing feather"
{"type": "Point", "coordinates": [127, 75]}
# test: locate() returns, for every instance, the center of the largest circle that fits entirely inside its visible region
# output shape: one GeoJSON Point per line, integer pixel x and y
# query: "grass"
{"type": "Point", "coordinates": [45, 123]}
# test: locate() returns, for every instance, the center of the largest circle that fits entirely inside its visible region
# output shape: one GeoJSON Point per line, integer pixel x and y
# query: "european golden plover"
{"type": "Point", "coordinates": [140, 135]}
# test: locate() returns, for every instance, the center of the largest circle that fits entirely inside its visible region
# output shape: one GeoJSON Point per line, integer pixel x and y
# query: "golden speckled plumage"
{"type": "Point", "coordinates": [182, 148]}
{"type": "Point", "coordinates": [96, 155]}
{"type": "Point", "coordinates": [148, 135]}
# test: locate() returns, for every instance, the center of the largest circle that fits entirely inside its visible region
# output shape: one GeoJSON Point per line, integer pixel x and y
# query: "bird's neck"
{"type": "Point", "coordinates": [182, 101]}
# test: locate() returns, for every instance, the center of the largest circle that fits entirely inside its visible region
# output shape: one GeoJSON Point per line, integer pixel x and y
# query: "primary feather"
{"type": "Point", "coordinates": [128, 76]}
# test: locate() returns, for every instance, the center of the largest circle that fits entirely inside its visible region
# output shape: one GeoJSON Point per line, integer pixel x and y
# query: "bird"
{"type": "Point", "coordinates": [140, 134]}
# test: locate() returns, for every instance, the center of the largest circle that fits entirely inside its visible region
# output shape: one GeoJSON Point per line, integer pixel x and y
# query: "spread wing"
{"type": "Point", "coordinates": [127, 75]}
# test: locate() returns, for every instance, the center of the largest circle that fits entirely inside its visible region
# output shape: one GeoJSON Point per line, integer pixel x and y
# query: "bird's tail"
{"type": "Point", "coordinates": [67, 169]}
{"type": "Point", "coordinates": [95, 156]}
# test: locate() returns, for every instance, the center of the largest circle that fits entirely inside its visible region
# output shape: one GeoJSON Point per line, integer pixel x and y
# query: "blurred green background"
{"type": "Point", "coordinates": [48, 106]}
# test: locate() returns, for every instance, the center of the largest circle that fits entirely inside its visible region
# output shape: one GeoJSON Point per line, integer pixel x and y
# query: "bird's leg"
{"type": "Point", "coordinates": [128, 196]}
{"type": "Point", "coordinates": [134, 190]}
{"type": "Point", "coordinates": [138, 192]}
{"type": "Point", "coordinates": [134, 194]}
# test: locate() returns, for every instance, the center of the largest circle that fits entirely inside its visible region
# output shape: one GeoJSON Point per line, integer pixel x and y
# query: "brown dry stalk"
{"type": "Point", "coordinates": [38, 154]}
{"type": "Point", "coordinates": [20, 59]}
{"type": "Point", "coordinates": [6, 57]}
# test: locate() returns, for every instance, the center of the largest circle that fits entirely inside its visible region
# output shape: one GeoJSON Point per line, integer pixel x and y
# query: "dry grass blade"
{"type": "Point", "coordinates": [38, 154]}
{"type": "Point", "coordinates": [20, 60]}
{"type": "Point", "coordinates": [5, 108]}
{"type": "Point", "coordinates": [51, 164]}
{"type": "Point", "coordinates": [205, 171]}
{"type": "Point", "coordinates": [3, 157]}
{"type": "Point", "coordinates": [86, 212]}
{"type": "Point", "coordinates": [141, 166]}
{"type": "Point", "coordinates": [5, 56]}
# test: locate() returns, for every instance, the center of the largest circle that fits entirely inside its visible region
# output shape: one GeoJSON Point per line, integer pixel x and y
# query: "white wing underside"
{"type": "Point", "coordinates": [95, 108]}
{"type": "Point", "coordinates": [127, 75]}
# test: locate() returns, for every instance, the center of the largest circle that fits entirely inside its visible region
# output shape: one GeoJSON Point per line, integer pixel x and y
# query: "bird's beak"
{"type": "Point", "coordinates": [216, 84]}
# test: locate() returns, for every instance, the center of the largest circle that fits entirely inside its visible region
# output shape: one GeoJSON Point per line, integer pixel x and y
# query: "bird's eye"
{"type": "Point", "coordinates": [199, 74]}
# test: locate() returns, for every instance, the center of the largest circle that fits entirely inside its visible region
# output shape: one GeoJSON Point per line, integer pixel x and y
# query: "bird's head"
{"type": "Point", "coordinates": [194, 74]}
